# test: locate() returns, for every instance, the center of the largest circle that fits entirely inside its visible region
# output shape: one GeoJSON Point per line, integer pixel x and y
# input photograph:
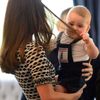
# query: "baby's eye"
{"type": "Point", "coordinates": [71, 24]}
{"type": "Point", "coordinates": [80, 26]}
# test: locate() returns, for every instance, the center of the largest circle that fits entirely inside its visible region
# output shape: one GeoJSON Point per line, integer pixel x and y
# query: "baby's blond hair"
{"type": "Point", "coordinates": [82, 11]}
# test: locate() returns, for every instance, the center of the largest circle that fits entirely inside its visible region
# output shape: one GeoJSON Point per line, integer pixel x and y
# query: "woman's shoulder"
{"type": "Point", "coordinates": [32, 49]}
{"type": "Point", "coordinates": [52, 44]}
{"type": "Point", "coordinates": [33, 46]}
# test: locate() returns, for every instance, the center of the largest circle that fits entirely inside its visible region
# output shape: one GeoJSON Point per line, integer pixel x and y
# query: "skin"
{"type": "Point", "coordinates": [81, 25]}
{"type": "Point", "coordinates": [46, 92]}
{"type": "Point", "coordinates": [89, 71]}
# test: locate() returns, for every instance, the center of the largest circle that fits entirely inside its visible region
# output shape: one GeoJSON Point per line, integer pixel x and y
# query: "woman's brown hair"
{"type": "Point", "coordinates": [23, 19]}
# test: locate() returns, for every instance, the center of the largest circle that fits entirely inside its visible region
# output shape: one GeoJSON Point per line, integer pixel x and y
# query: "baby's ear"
{"type": "Point", "coordinates": [88, 28]}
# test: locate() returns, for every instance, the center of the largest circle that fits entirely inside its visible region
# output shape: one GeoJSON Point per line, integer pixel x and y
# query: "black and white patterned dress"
{"type": "Point", "coordinates": [35, 71]}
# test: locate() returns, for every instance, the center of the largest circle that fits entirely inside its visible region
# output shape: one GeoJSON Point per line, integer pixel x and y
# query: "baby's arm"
{"type": "Point", "coordinates": [91, 48]}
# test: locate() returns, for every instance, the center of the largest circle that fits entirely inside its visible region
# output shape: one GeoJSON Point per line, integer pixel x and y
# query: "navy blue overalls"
{"type": "Point", "coordinates": [70, 73]}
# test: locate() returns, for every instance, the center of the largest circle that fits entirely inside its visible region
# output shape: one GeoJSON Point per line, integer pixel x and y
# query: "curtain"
{"type": "Point", "coordinates": [94, 7]}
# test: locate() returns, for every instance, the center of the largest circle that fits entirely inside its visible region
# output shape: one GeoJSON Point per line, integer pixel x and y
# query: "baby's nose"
{"type": "Point", "coordinates": [75, 27]}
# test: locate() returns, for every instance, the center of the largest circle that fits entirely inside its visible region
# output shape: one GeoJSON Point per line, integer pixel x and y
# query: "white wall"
{"type": "Point", "coordinates": [57, 6]}
{"type": "Point", "coordinates": [3, 4]}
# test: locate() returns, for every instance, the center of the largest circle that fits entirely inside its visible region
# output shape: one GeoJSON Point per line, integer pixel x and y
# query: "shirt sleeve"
{"type": "Point", "coordinates": [42, 70]}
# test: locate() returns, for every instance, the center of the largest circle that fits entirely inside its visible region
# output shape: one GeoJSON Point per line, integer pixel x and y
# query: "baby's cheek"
{"type": "Point", "coordinates": [80, 31]}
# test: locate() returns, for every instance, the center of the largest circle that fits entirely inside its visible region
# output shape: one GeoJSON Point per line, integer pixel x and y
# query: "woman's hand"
{"type": "Point", "coordinates": [47, 92]}
{"type": "Point", "coordinates": [79, 93]}
{"type": "Point", "coordinates": [87, 72]}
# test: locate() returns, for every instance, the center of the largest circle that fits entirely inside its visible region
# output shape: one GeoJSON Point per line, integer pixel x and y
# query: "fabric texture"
{"type": "Point", "coordinates": [70, 71]}
{"type": "Point", "coordinates": [36, 70]}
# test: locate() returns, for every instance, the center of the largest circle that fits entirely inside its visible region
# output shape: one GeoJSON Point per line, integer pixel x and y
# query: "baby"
{"type": "Point", "coordinates": [74, 49]}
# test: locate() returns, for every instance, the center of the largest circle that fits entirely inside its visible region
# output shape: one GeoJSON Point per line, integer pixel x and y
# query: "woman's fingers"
{"type": "Point", "coordinates": [88, 78]}
{"type": "Point", "coordinates": [79, 93]}
{"type": "Point", "coordinates": [84, 86]}
{"type": "Point", "coordinates": [88, 68]}
{"type": "Point", "coordinates": [81, 90]}
{"type": "Point", "coordinates": [87, 64]}
{"type": "Point", "coordinates": [87, 72]}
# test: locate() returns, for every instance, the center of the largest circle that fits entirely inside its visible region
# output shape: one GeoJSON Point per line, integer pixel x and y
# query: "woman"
{"type": "Point", "coordinates": [25, 58]}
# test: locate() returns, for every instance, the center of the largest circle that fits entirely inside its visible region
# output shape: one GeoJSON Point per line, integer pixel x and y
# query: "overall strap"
{"type": "Point", "coordinates": [59, 37]}
{"type": "Point", "coordinates": [69, 46]}
{"type": "Point", "coordinates": [75, 41]}
{"type": "Point", "coordinates": [70, 58]}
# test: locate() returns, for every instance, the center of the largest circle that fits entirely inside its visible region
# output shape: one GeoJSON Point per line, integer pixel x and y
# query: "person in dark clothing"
{"type": "Point", "coordinates": [23, 97]}
{"type": "Point", "coordinates": [97, 78]}
{"type": "Point", "coordinates": [92, 90]}
{"type": "Point", "coordinates": [98, 85]}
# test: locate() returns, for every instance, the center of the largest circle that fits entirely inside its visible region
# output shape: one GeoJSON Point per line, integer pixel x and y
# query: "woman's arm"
{"type": "Point", "coordinates": [47, 92]}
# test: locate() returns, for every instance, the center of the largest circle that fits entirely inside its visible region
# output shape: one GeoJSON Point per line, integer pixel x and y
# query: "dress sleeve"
{"type": "Point", "coordinates": [41, 69]}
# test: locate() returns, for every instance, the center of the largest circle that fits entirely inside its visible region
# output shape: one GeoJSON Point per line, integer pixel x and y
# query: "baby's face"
{"type": "Point", "coordinates": [79, 23]}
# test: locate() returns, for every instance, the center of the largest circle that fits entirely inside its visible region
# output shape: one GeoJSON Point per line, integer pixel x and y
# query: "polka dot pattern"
{"type": "Point", "coordinates": [36, 70]}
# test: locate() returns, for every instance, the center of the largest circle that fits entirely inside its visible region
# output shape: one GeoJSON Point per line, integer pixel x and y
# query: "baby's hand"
{"type": "Point", "coordinates": [85, 37]}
